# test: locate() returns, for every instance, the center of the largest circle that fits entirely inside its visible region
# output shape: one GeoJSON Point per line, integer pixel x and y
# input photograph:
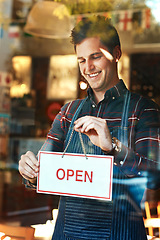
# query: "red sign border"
{"type": "Point", "coordinates": [71, 194]}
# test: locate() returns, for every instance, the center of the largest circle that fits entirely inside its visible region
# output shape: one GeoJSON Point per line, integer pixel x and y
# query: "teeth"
{"type": "Point", "coordinates": [93, 74]}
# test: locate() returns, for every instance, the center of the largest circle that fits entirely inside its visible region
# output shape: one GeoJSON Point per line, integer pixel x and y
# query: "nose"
{"type": "Point", "coordinates": [89, 66]}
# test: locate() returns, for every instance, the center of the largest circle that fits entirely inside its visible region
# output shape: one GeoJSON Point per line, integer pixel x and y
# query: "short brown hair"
{"type": "Point", "coordinates": [96, 26]}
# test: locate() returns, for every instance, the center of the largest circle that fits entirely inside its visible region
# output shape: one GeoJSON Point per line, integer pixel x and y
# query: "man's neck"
{"type": "Point", "coordinates": [99, 95]}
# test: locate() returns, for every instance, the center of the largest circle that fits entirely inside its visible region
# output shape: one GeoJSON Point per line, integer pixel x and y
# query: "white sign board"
{"type": "Point", "coordinates": [74, 175]}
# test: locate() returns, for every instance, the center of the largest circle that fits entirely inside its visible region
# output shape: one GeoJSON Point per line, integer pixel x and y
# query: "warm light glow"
{"type": "Point", "coordinates": [124, 69]}
{"type": "Point", "coordinates": [22, 76]}
{"type": "Point", "coordinates": [54, 214]}
{"type": "Point", "coordinates": [63, 77]}
{"type": "Point", "coordinates": [23, 86]}
{"type": "Point", "coordinates": [21, 61]}
{"type": "Point", "coordinates": [18, 91]}
{"type": "Point", "coordinates": [107, 54]}
{"type": "Point", "coordinates": [83, 85]}
{"type": "Point", "coordinates": [152, 222]}
{"type": "Point", "coordinates": [149, 237]}
{"type": "Point", "coordinates": [46, 230]}
{"type": "Point", "coordinates": [16, 65]}
{"type": "Point", "coordinates": [1, 234]}
{"type": "Point", "coordinates": [7, 238]}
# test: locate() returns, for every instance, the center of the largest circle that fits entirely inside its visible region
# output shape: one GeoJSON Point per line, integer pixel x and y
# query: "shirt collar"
{"type": "Point", "coordinates": [115, 92]}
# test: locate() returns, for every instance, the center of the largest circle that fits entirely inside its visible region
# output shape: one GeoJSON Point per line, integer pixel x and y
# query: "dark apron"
{"type": "Point", "coordinates": [90, 219]}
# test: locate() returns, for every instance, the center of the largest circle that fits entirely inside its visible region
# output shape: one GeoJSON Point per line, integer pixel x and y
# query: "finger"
{"type": "Point", "coordinates": [30, 161]}
{"type": "Point", "coordinates": [82, 122]}
{"type": "Point", "coordinates": [28, 165]}
{"type": "Point", "coordinates": [91, 126]}
{"type": "Point", "coordinates": [26, 170]}
{"type": "Point", "coordinates": [33, 158]}
{"type": "Point", "coordinates": [27, 174]}
{"type": "Point", "coordinates": [79, 123]}
{"type": "Point", "coordinates": [93, 123]}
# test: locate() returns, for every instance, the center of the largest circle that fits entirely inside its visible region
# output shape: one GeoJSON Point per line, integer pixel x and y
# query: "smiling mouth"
{"type": "Point", "coordinates": [93, 74]}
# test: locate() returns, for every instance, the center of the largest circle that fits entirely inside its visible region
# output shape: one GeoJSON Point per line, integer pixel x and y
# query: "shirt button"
{"type": "Point", "coordinates": [113, 97]}
{"type": "Point", "coordinates": [121, 162]}
{"type": "Point", "coordinates": [93, 106]}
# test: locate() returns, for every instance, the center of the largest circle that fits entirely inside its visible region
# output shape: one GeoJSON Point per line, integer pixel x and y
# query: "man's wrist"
{"type": "Point", "coordinates": [116, 147]}
{"type": "Point", "coordinates": [29, 184]}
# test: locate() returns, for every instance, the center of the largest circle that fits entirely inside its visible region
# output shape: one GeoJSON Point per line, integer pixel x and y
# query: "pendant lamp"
{"type": "Point", "coordinates": [49, 19]}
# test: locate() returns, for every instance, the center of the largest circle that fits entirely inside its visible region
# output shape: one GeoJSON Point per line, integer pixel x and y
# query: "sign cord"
{"type": "Point", "coordinates": [69, 141]}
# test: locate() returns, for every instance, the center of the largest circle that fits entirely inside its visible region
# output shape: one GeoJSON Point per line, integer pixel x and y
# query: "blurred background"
{"type": "Point", "coordinates": [39, 73]}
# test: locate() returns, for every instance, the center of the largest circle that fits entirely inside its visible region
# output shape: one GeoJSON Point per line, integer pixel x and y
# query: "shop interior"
{"type": "Point", "coordinates": [39, 74]}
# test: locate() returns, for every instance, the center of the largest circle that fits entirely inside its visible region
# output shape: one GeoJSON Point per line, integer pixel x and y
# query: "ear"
{"type": "Point", "coordinates": [117, 53]}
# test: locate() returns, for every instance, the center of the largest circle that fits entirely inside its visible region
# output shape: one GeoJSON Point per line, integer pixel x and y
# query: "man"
{"type": "Point", "coordinates": [112, 121]}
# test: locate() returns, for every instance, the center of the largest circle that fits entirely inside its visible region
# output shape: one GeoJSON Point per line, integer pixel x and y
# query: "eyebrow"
{"type": "Point", "coordinates": [96, 53]}
{"type": "Point", "coordinates": [93, 54]}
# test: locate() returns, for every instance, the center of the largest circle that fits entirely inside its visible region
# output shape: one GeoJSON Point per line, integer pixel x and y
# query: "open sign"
{"type": "Point", "coordinates": [77, 174]}
{"type": "Point", "coordinates": [74, 175]}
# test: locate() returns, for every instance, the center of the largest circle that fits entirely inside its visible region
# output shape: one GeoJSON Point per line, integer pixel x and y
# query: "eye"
{"type": "Point", "coordinates": [81, 61]}
{"type": "Point", "coordinates": [97, 56]}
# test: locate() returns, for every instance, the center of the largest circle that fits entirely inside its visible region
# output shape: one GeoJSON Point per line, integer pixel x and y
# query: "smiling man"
{"type": "Point", "coordinates": [99, 71]}
{"type": "Point", "coordinates": [112, 121]}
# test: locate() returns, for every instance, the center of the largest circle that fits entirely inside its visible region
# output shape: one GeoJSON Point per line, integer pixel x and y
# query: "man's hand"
{"type": "Point", "coordinates": [96, 129]}
{"type": "Point", "coordinates": [29, 166]}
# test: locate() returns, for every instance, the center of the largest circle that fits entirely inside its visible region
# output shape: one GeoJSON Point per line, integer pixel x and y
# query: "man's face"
{"type": "Point", "coordinates": [97, 68]}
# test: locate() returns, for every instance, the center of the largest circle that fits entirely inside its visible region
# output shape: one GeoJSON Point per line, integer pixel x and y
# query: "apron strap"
{"type": "Point", "coordinates": [74, 118]}
{"type": "Point", "coordinates": [123, 137]}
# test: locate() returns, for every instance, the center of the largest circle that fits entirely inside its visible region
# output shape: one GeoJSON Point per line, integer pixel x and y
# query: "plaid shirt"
{"type": "Point", "coordinates": [143, 133]}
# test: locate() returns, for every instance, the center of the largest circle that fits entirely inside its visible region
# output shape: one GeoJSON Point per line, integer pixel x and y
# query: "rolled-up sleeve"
{"type": "Point", "coordinates": [144, 152]}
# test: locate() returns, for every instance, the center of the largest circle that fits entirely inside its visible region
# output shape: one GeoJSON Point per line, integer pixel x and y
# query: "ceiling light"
{"type": "Point", "coordinates": [49, 20]}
